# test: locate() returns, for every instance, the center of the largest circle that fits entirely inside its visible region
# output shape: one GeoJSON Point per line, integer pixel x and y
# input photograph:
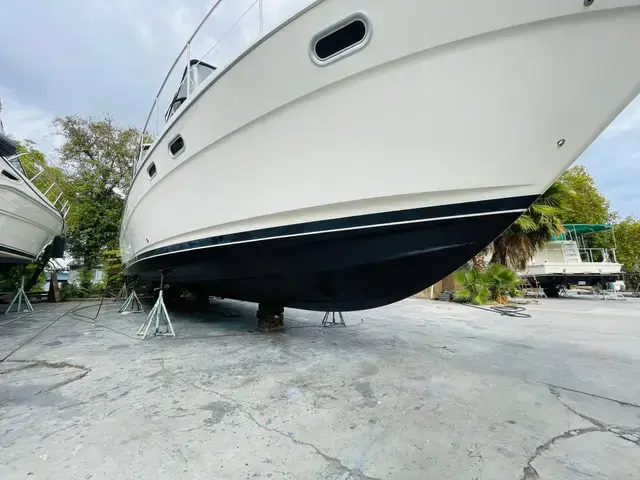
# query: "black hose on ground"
{"type": "Point", "coordinates": [82, 307]}
{"type": "Point", "coordinates": [504, 310]}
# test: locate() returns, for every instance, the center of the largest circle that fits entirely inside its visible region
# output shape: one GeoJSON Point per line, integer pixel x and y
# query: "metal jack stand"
{"type": "Point", "coordinates": [21, 296]}
{"type": "Point", "coordinates": [159, 310]}
{"type": "Point", "coordinates": [122, 294]}
{"type": "Point", "coordinates": [132, 304]}
{"type": "Point", "coordinates": [327, 323]}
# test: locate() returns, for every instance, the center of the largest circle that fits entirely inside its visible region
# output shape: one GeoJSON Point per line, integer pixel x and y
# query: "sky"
{"type": "Point", "coordinates": [92, 57]}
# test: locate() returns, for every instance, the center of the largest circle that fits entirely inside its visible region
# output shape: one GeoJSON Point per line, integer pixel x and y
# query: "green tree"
{"type": "Point", "coordinates": [495, 284]}
{"type": "Point", "coordinates": [587, 204]}
{"type": "Point", "coordinates": [627, 234]}
{"type": "Point", "coordinates": [474, 287]}
{"type": "Point", "coordinates": [113, 269]}
{"type": "Point", "coordinates": [539, 223]}
{"type": "Point", "coordinates": [503, 282]}
{"type": "Point", "coordinates": [98, 156]}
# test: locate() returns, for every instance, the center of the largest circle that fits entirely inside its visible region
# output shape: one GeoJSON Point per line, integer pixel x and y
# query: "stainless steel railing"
{"type": "Point", "coordinates": [600, 255]}
{"type": "Point", "coordinates": [228, 29]}
{"type": "Point", "coordinates": [40, 178]}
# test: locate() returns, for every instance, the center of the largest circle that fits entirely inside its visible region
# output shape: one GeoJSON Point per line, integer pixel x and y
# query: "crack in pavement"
{"type": "Point", "coordinates": [357, 474]}
{"type": "Point", "coordinates": [43, 363]}
{"type": "Point", "coordinates": [530, 473]}
{"type": "Point", "coordinates": [619, 402]}
{"type": "Point", "coordinates": [332, 460]}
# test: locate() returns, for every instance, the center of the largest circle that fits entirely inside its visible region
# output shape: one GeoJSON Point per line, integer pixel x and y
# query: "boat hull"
{"type": "Point", "coordinates": [493, 107]}
{"type": "Point", "coordinates": [27, 222]}
{"type": "Point", "coordinates": [347, 264]}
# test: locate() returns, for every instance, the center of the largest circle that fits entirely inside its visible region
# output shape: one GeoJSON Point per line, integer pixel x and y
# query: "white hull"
{"type": "Point", "coordinates": [584, 268]}
{"type": "Point", "coordinates": [449, 102]}
{"type": "Point", "coordinates": [28, 222]}
{"type": "Point", "coordinates": [563, 260]}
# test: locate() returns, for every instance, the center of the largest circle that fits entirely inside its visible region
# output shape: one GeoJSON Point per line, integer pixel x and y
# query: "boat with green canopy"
{"type": "Point", "coordinates": [570, 259]}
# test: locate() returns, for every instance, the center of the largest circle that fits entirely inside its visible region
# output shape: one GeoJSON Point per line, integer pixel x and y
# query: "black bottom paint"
{"type": "Point", "coordinates": [578, 279]}
{"type": "Point", "coordinates": [345, 270]}
{"type": "Point", "coordinates": [9, 257]}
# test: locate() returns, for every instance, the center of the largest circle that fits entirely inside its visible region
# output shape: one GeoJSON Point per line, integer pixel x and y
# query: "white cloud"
{"type": "Point", "coordinates": [145, 33]}
{"type": "Point", "coordinates": [182, 26]}
{"type": "Point", "coordinates": [23, 121]}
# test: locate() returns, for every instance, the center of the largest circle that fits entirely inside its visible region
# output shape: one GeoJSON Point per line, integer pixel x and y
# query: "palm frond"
{"type": "Point", "coordinates": [526, 223]}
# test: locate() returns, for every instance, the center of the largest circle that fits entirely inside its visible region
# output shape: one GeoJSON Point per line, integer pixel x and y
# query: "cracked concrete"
{"type": "Point", "coordinates": [411, 391]}
{"type": "Point", "coordinates": [585, 460]}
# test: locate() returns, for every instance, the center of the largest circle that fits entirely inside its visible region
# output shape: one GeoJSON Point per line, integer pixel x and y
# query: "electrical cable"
{"type": "Point", "coordinates": [504, 310]}
{"type": "Point", "coordinates": [15, 319]}
{"type": "Point", "coordinates": [34, 336]}
{"type": "Point", "coordinates": [82, 307]}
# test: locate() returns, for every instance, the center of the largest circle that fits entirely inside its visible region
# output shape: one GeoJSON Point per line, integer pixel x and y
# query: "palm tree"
{"type": "Point", "coordinates": [537, 226]}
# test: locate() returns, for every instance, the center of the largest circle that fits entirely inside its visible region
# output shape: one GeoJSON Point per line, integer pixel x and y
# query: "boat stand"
{"type": "Point", "coordinates": [122, 294]}
{"type": "Point", "coordinates": [21, 297]}
{"type": "Point", "coordinates": [159, 310]}
{"type": "Point", "coordinates": [327, 323]}
{"type": "Point", "coordinates": [611, 294]}
{"type": "Point", "coordinates": [132, 304]}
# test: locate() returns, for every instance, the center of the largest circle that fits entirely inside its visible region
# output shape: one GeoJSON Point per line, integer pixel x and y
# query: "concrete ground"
{"type": "Point", "coordinates": [416, 390]}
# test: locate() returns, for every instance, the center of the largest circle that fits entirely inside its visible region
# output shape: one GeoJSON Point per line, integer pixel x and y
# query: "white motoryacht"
{"type": "Point", "coordinates": [363, 149]}
{"type": "Point", "coordinates": [30, 219]}
{"type": "Point", "coordinates": [567, 260]}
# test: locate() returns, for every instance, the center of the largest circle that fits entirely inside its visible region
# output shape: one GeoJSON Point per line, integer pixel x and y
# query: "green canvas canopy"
{"type": "Point", "coordinates": [582, 228]}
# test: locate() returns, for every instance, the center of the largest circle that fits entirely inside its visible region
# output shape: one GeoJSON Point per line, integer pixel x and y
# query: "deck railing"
{"type": "Point", "coordinates": [600, 255]}
{"type": "Point", "coordinates": [40, 178]}
{"type": "Point", "coordinates": [228, 29]}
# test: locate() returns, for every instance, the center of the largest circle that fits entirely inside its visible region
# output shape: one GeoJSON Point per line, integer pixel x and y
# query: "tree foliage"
{"type": "Point", "coordinates": [539, 223]}
{"type": "Point", "coordinates": [113, 269]}
{"type": "Point", "coordinates": [98, 156]}
{"type": "Point", "coordinates": [627, 234]}
{"type": "Point", "coordinates": [495, 284]}
{"type": "Point", "coordinates": [474, 286]}
{"type": "Point", "coordinates": [98, 152]}
{"type": "Point", "coordinates": [503, 282]}
{"type": "Point", "coordinates": [33, 160]}
{"type": "Point", "coordinates": [587, 204]}
{"type": "Point", "coordinates": [93, 169]}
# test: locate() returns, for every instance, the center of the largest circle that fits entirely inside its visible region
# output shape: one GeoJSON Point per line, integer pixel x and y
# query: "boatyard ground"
{"type": "Point", "coordinates": [420, 389]}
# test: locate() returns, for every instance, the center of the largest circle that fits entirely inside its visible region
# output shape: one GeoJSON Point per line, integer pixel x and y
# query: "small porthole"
{"type": "Point", "coordinates": [151, 170]}
{"type": "Point", "coordinates": [176, 147]}
{"type": "Point", "coordinates": [10, 176]}
{"type": "Point", "coordinates": [341, 39]}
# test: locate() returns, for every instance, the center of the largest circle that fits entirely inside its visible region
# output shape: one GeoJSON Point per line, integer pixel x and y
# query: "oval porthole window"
{"type": "Point", "coordinates": [151, 170]}
{"type": "Point", "coordinates": [176, 147]}
{"type": "Point", "coordinates": [10, 176]}
{"type": "Point", "coordinates": [343, 38]}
